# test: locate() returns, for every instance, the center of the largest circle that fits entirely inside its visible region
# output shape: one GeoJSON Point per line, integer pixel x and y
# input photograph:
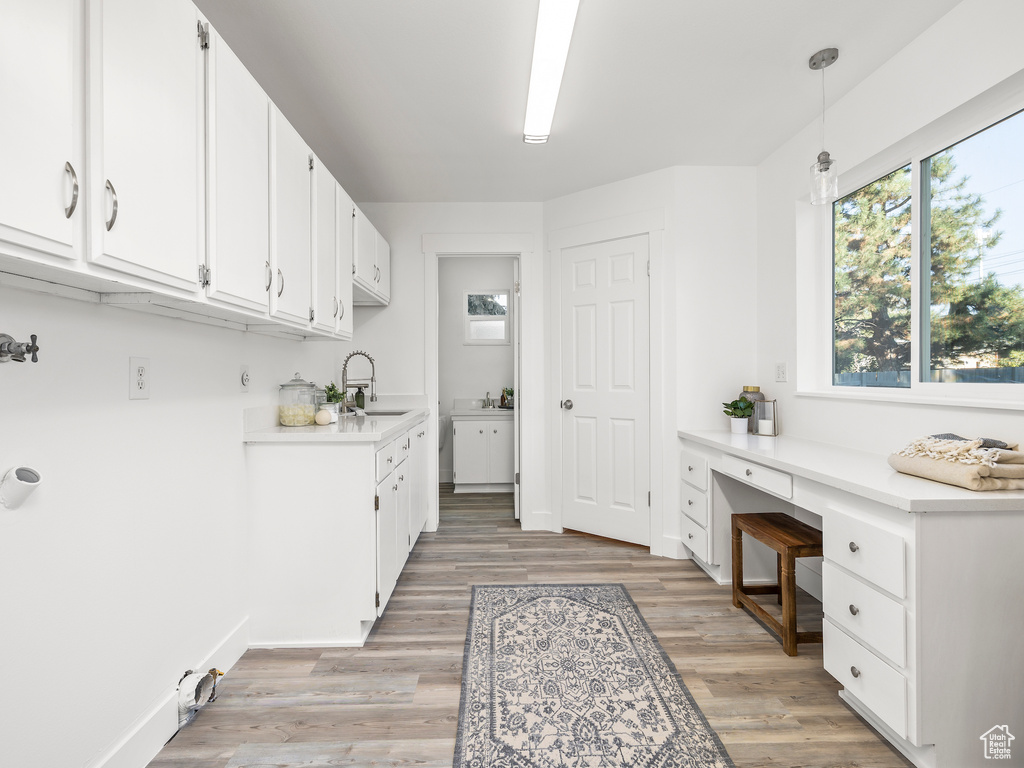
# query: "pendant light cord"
{"type": "Point", "coordinates": [822, 109]}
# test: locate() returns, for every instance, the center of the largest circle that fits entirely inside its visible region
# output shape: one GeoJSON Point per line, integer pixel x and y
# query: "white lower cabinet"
{"type": "Point", "coordinates": [484, 451]}
{"type": "Point", "coordinates": [331, 533]}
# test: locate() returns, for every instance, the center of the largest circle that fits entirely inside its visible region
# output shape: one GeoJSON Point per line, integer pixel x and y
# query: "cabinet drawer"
{"type": "Point", "coordinates": [867, 550]}
{"type": "Point", "coordinates": [880, 687]}
{"type": "Point", "coordinates": [695, 469]}
{"type": "Point", "coordinates": [771, 480]}
{"type": "Point", "coordinates": [694, 504]}
{"type": "Point", "coordinates": [694, 537]}
{"type": "Point", "coordinates": [865, 613]}
{"type": "Point", "coordinates": [386, 460]}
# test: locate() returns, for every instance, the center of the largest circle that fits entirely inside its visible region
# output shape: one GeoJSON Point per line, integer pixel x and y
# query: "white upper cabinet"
{"type": "Point", "coordinates": [41, 146]}
{"type": "Point", "coordinates": [238, 182]}
{"type": "Point", "coordinates": [345, 221]}
{"type": "Point", "coordinates": [145, 139]}
{"type": "Point", "coordinates": [371, 276]}
{"type": "Point", "coordinates": [290, 222]}
{"type": "Point", "coordinates": [326, 307]}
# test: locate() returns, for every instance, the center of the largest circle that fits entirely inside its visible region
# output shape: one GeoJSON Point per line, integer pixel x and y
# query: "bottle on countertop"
{"type": "Point", "coordinates": [361, 398]}
{"type": "Point", "coordinates": [752, 394]}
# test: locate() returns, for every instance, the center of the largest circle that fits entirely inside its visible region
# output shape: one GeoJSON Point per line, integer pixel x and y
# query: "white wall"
{"type": "Point", "coordinates": [468, 370]}
{"type": "Point", "coordinates": [126, 566]}
{"type": "Point", "coordinates": [970, 50]}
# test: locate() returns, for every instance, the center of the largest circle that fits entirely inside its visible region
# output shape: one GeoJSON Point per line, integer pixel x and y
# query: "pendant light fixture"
{"type": "Point", "coordinates": [824, 177]}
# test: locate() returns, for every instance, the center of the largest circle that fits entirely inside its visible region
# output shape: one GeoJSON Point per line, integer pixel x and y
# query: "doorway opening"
{"type": "Point", "coordinates": [478, 361]}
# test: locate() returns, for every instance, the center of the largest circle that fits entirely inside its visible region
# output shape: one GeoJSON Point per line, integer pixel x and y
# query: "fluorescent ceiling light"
{"type": "Point", "coordinates": [555, 21]}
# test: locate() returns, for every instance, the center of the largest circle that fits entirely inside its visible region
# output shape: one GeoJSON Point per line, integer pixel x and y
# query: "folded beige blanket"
{"type": "Point", "coordinates": [963, 463]}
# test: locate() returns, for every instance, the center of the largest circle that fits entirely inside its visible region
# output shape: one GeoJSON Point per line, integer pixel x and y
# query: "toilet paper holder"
{"type": "Point", "coordinates": [17, 485]}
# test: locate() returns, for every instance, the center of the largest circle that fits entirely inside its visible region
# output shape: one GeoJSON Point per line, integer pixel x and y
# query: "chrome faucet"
{"type": "Point", "coordinates": [487, 401]}
{"type": "Point", "coordinates": [344, 379]}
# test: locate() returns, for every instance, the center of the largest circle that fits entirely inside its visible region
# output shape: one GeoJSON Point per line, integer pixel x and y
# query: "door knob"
{"type": "Point", "coordinates": [567, 404]}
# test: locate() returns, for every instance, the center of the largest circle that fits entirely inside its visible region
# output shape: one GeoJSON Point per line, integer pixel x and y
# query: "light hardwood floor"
{"type": "Point", "coordinates": [395, 702]}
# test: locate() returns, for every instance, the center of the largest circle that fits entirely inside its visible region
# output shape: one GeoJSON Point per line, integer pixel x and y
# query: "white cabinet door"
{"type": "Point", "coordinates": [404, 537]}
{"type": "Point", "coordinates": [501, 461]}
{"type": "Point", "coordinates": [418, 489]}
{"type": "Point", "coordinates": [388, 565]}
{"type": "Point", "coordinates": [470, 444]}
{"type": "Point", "coordinates": [325, 249]}
{"type": "Point", "coordinates": [365, 252]}
{"type": "Point", "coordinates": [146, 127]}
{"type": "Point", "coordinates": [290, 256]}
{"type": "Point", "coordinates": [41, 60]}
{"type": "Point", "coordinates": [345, 225]}
{"type": "Point", "coordinates": [238, 181]}
{"type": "Point", "coordinates": [383, 258]}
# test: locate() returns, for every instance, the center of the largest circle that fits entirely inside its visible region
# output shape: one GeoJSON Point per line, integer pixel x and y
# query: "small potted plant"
{"type": "Point", "coordinates": [508, 397]}
{"type": "Point", "coordinates": [739, 412]}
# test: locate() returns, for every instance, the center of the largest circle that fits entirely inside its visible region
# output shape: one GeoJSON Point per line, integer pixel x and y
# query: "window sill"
{"type": "Point", "coordinates": [887, 395]}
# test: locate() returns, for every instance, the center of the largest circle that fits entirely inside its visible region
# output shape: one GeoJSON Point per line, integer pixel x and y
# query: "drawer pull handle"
{"type": "Point", "coordinates": [689, 502]}
{"type": "Point", "coordinates": [853, 546]}
{"type": "Point", "coordinates": [689, 535]}
{"type": "Point", "coordinates": [391, 459]}
{"type": "Point", "coordinates": [689, 469]}
{"type": "Point", "coordinates": [854, 671]}
{"type": "Point", "coordinates": [750, 472]}
{"type": "Point", "coordinates": [854, 609]}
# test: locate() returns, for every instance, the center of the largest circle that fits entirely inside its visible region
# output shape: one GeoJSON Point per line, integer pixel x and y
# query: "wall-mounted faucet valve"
{"type": "Point", "coordinates": [16, 350]}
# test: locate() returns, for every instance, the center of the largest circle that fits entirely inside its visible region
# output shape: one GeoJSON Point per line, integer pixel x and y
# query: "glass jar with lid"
{"type": "Point", "coordinates": [297, 403]}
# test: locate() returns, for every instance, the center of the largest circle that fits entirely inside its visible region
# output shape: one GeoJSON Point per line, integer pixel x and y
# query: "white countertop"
{"type": "Point", "coordinates": [859, 472]}
{"type": "Point", "coordinates": [348, 429]}
{"type": "Point", "coordinates": [482, 413]}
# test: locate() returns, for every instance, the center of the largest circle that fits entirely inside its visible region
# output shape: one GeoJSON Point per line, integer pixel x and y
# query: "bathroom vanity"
{"type": "Point", "coordinates": [484, 448]}
{"type": "Point", "coordinates": [920, 581]}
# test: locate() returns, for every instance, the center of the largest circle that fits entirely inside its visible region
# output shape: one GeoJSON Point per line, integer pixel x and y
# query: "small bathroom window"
{"type": "Point", "coordinates": [487, 317]}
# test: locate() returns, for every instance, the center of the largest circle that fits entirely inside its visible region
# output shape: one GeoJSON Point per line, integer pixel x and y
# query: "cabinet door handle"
{"type": "Point", "coordinates": [689, 502]}
{"type": "Point", "coordinates": [854, 609]}
{"type": "Point", "coordinates": [689, 535]}
{"type": "Point", "coordinates": [280, 283]}
{"type": "Point", "coordinates": [335, 307]}
{"type": "Point", "coordinates": [854, 671]}
{"type": "Point", "coordinates": [495, 431]}
{"type": "Point", "coordinates": [853, 546]}
{"type": "Point", "coordinates": [749, 472]}
{"type": "Point", "coordinates": [270, 277]}
{"type": "Point", "coordinates": [689, 469]}
{"type": "Point", "coordinates": [342, 309]}
{"type": "Point", "coordinates": [113, 210]}
{"type": "Point", "coordinates": [394, 487]}
{"type": "Point", "coordinates": [401, 478]}
{"type": "Point", "coordinates": [481, 431]}
{"type": "Point", "coordinates": [391, 459]}
{"type": "Point", "coordinates": [74, 189]}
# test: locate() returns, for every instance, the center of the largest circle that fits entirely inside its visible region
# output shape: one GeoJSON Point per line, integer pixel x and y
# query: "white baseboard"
{"type": "Point", "coordinates": [141, 742]}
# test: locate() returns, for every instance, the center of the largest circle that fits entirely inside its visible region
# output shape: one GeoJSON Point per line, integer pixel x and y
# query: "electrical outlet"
{"type": "Point", "coordinates": [780, 372]}
{"type": "Point", "coordinates": [243, 378]}
{"type": "Point", "coordinates": [138, 378]}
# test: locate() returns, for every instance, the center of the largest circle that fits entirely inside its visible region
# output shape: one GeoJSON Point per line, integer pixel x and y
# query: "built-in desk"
{"type": "Point", "coordinates": [920, 582]}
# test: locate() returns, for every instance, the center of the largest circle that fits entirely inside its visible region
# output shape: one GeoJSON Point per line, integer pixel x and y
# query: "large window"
{"type": "Point", "coordinates": [871, 284]}
{"type": "Point", "coordinates": [969, 323]}
{"type": "Point", "coordinates": [973, 258]}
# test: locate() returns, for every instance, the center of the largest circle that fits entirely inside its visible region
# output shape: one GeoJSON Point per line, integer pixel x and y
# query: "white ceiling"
{"type": "Point", "coordinates": [423, 100]}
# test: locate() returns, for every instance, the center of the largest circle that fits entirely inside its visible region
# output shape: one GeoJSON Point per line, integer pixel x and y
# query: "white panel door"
{"type": "Point", "coordinates": [325, 248]}
{"type": "Point", "coordinates": [345, 259]}
{"type": "Point", "coordinates": [605, 389]}
{"type": "Point", "coordinates": [290, 226]}
{"type": "Point", "coordinates": [40, 134]}
{"type": "Point", "coordinates": [238, 181]}
{"type": "Point", "coordinates": [145, 106]}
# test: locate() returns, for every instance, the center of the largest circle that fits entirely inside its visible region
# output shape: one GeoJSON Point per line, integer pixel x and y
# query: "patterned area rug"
{"type": "Point", "coordinates": [571, 676]}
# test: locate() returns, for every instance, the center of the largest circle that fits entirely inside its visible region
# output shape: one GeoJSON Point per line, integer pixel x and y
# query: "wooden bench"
{"type": "Point", "coordinates": [790, 539]}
